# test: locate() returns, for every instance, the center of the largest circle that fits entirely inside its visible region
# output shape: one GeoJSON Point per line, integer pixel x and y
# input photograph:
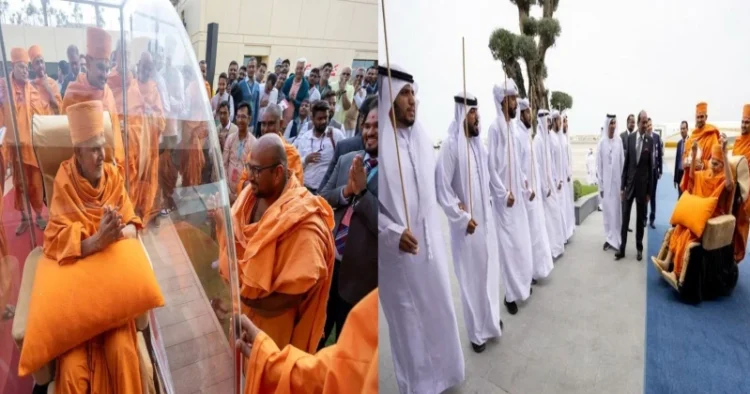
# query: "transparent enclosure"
{"type": "Point", "coordinates": [161, 173]}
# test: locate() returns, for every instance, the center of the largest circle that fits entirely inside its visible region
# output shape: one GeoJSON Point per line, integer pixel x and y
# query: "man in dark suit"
{"type": "Point", "coordinates": [354, 143]}
{"type": "Point", "coordinates": [678, 171]}
{"type": "Point", "coordinates": [624, 135]}
{"type": "Point", "coordinates": [658, 154]}
{"type": "Point", "coordinates": [637, 176]}
{"type": "Point", "coordinates": [352, 191]}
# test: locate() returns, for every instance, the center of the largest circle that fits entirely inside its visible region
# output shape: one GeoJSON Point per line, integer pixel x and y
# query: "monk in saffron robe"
{"type": "Point", "coordinates": [194, 134]}
{"type": "Point", "coordinates": [207, 85]}
{"type": "Point", "coordinates": [283, 236]}
{"type": "Point", "coordinates": [8, 311]}
{"type": "Point", "coordinates": [155, 125]}
{"type": "Point", "coordinates": [90, 210]}
{"type": "Point", "coordinates": [349, 366]}
{"type": "Point", "coordinates": [742, 148]}
{"type": "Point", "coordinates": [46, 86]}
{"type": "Point", "coordinates": [271, 124]}
{"type": "Point", "coordinates": [93, 86]}
{"type": "Point", "coordinates": [28, 102]}
{"type": "Point", "coordinates": [706, 135]}
{"type": "Point", "coordinates": [711, 182]}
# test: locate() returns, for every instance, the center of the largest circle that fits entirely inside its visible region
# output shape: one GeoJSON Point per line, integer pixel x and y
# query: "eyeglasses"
{"type": "Point", "coordinates": [255, 170]}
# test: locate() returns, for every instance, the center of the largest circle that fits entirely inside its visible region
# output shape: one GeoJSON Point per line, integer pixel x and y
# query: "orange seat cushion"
{"type": "Point", "coordinates": [71, 304]}
{"type": "Point", "coordinates": [693, 212]}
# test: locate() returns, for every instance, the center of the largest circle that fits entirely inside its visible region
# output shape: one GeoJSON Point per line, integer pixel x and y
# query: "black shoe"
{"type": "Point", "coordinates": [501, 324]}
{"type": "Point", "coordinates": [619, 256]}
{"type": "Point", "coordinates": [533, 281]}
{"type": "Point", "coordinates": [640, 255]}
{"type": "Point", "coordinates": [630, 230]}
{"type": "Point", "coordinates": [478, 348]}
{"type": "Point", "coordinates": [606, 246]}
{"type": "Point", "coordinates": [511, 307]}
{"type": "Point", "coordinates": [652, 225]}
{"type": "Point", "coordinates": [531, 291]}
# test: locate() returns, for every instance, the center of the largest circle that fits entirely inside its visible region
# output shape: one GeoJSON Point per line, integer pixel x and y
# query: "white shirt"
{"type": "Point", "coordinates": [218, 99]}
{"type": "Point", "coordinates": [314, 94]}
{"type": "Point", "coordinates": [272, 97]}
{"type": "Point", "coordinates": [308, 143]}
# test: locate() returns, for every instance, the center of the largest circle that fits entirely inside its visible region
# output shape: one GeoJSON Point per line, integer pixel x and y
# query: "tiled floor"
{"type": "Point", "coordinates": [582, 330]}
{"type": "Point", "coordinates": [199, 354]}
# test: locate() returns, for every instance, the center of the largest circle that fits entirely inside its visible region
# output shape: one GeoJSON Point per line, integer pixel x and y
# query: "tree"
{"type": "Point", "coordinates": [561, 101]}
{"type": "Point", "coordinates": [537, 36]}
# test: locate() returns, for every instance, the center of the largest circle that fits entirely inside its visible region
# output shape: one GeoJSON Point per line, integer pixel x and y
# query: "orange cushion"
{"type": "Point", "coordinates": [693, 212]}
{"type": "Point", "coordinates": [73, 303]}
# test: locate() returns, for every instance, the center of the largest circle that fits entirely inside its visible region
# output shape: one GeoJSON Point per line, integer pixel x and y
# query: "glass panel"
{"type": "Point", "coordinates": [158, 165]}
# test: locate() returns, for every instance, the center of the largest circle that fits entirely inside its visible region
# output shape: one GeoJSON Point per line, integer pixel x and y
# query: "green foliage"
{"type": "Point", "coordinates": [548, 29]}
{"type": "Point", "coordinates": [561, 101]}
{"type": "Point", "coordinates": [503, 45]}
{"type": "Point", "coordinates": [580, 190]}
{"type": "Point", "coordinates": [529, 26]}
{"type": "Point", "coordinates": [526, 48]}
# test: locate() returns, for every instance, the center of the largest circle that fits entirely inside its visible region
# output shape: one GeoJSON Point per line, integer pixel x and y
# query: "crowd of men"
{"type": "Point", "coordinates": [301, 159]}
{"type": "Point", "coordinates": [510, 211]}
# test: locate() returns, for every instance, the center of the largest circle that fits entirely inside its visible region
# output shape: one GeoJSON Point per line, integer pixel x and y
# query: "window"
{"type": "Point", "coordinates": [363, 63]}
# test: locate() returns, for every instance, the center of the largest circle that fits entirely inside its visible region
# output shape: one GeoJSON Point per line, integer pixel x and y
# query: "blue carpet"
{"type": "Point", "coordinates": [693, 349]}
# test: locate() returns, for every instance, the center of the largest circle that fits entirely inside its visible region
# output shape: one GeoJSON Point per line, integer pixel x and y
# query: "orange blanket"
{"type": "Point", "coordinates": [289, 251]}
{"type": "Point", "coordinates": [56, 97]}
{"type": "Point", "coordinates": [76, 209]}
{"type": "Point", "coordinates": [707, 137]}
{"type": "Point", "coordinates": [294, 164]}
{"type": "Point", "coordinates": [705, 184]}
{"type": "Point", "coordinates": [742, 148]}
{"type": "Point", "coordinates": [79, 91]}
{"type": "Point", "coordinates": [349, 366]}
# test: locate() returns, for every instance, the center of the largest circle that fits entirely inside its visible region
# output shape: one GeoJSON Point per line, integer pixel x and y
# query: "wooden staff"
{"type": "Point", "coordinates": [510, 142]}
{"type": "Point", "coordinates": [466, 130]}
{"type": "Point", "coordinates": [531, 145]}
{"type": "Point", "coordinates": [393, 116]}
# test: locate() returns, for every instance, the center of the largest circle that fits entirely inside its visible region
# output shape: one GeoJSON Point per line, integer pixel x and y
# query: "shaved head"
{"type": "Point", "coordinates": [272, 147]}
{"type": "Point", "coordinates": [267, 167]}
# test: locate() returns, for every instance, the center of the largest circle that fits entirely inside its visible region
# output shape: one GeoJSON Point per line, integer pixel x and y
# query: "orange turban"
{"type": "Point", "coordinates": [98, 43]}
{"type": "Point", "coordinates": [86, 121]}
{"type": "Point", "coordinates": [717, 153]}
{"type": "Point", "coordinates": [746, 111]}
{"type": "Point", "coordinates": [701, 109]}
{"type": "Point", "coordinates": [34, 52]}
{"type": "Point", "coordinates": [19, 55]}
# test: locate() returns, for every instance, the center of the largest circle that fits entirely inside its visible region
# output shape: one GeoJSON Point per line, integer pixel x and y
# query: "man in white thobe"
{"type": "Point", "coordinates": [547, 184]}
{"type": "Point", "coordinates": [569, 207]}
{"type": "Point", "coordinates": [560, 169]}
{"type": "Point", "coordinates": [591, 167]}
{"type": "Point", "coordinates": [507, 191]}
{"type": "Point", "coordinates": [541, 252]}
{"type": "Point", "coordinates": [415, 291]}
{"type": "Point", "coordinates": [463, 160]}
{"type": "Point", "coordinates": [610, 160]}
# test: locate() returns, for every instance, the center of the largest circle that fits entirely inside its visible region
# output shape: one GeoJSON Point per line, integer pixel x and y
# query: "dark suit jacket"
{"type": "Point", "coordinates": [624, 137]}
{"type": "Point", "coordinates": [343, 147]}
{"type": "Point", "coordinates": [659, 150]}
{"type": "Point", "coordinates": [637, 175]}
{"type": "Point", "coordinates": [680, 151]}
{"type": "Point", "coordinates": [358, 274]}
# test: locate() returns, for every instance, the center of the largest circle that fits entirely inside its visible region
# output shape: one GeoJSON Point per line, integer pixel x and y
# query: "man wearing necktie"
{"type": "Point", "coordinates": [352, 191]}
{"type": "Point", "coordinates": [658, 150]}
{"type": "Point", "coordinates": [637, 175]}
{"type": "Point", "coordinates": [678, 170]}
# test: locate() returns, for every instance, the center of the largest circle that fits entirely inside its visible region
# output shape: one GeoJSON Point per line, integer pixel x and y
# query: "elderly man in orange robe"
{"type": "Point", "coordinates": [28, 102]}
{"type": "Point", "coordinates": [711, 182]}
{"type": "Point", "coordinates": [742, 148]}
{"type": "Point", "coordinates": [706, 135]}
{"type": "Point", "coordinates": [283, 236]}
{"type": "Point", "coordinates": [90, 210]}
{"type": "Point", "coordinates": [349, 366]}
{"type": "Point", "coordinates": [46, 86]}
{"type": "Point", "coordinates": [93, 85]}
{"type": "Point", "coordinates": [271, 123]}
{"type": "Point", "coordinates": [194, 134]}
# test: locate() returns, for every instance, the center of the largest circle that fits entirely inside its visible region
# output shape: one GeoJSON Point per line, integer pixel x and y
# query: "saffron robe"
{"type": "Point", "coordinates": [742, 213]}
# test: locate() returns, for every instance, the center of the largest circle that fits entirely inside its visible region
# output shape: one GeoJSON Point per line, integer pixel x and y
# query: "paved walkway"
{"type": "Point", "coordinates": [582, 331]}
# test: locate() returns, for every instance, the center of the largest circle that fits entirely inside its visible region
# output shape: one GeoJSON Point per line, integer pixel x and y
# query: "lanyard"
{"type": "Point", "coordinates": [372, 173]}
{"type": "Point", "coordinates": [241, 148]}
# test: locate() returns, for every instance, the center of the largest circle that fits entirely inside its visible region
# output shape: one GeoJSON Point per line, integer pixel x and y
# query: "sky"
{"type": "Point", "coordinates": [612, 57]}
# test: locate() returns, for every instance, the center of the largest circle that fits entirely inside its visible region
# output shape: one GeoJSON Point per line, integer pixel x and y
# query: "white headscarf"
{"type": "Point", "coordinates": [390, 194]}
{"type": "Point", "coordinates": [457, 130]}
{"type": "Point", "coordinates": [523, 104]}
{"type": "Point", "coordinates": [501, 91]}
{"type": "Point", "coordinates": [543, 134]}
{"type": "Point", "coordinates": [554, 114]}
{"type": "Point", "coordinates": [605, 130]}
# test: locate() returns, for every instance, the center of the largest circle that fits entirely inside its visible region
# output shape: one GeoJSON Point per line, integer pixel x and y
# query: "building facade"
{"type": "Point", "coordinates": [342, 32]}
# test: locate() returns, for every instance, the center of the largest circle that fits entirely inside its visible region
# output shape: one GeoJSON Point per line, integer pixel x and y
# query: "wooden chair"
{"type": "Point", "coordinates": [52, 145]}
{"type": "Point", "coordinates": [709, 269]}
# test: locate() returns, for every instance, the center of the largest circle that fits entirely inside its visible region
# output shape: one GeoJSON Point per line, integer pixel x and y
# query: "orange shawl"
{"type": "Point", "coordinates": [294, 164]}
{"type": "Point", "coordinates": [707, 137]}
{"type": "Point", "coordinates": [290, 251]}
{"type": "Point", "coordinates": [76, 209]}
{"type": "Point", "coordinates": [53, 88]}
{"type": "Point", "coordinates": [155, 124]}
{"type": "Point", "coordinates": [79, 91]}
{"type": "Point", "coordinates": [28, 102]}
{"type": "Point", "coordinates": [349, 366]}
{"type": "Point", "coordinates": [705, 184]}
{"type": "Point", "coordinates": [742, 148]}
{"type": "Point", "coordinates": [194, 133]}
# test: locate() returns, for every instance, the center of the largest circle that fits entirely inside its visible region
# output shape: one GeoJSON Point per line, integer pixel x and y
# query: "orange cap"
{"type": "Point", "coordinates": [34, 52]}
{"type": "Point", "coordinates": [98, 43]}
{"type": "Point", "coordinates": [746, 111]}
{"type": "Point", "coordinates": [717, 153]}
{"type": "Point", "coordinates": [701, 109]}
{"type": "Point", "coordinates": [19, 55]}
{"type": "Point", "coordinates": [86, 121]}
